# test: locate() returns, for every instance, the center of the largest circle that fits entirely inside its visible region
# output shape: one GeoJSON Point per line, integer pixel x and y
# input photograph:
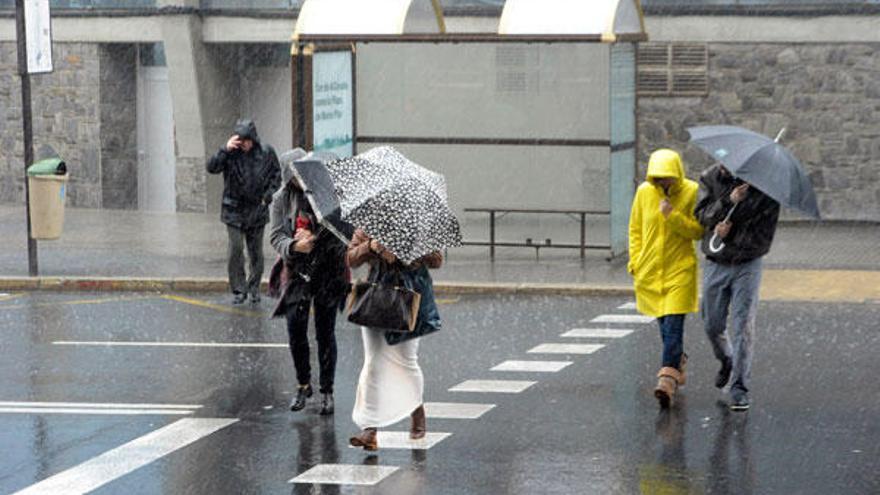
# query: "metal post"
{"type": "Point", "coordinates": [33, 268]}
{"type": "Point", "coordinates": [583, 235]}
{"type": "Point", "coordinates": [492, 235]}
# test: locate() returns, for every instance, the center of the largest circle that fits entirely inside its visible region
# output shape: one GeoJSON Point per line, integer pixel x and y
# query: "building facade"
{"type": "Point", "coordinates": [145, 90]}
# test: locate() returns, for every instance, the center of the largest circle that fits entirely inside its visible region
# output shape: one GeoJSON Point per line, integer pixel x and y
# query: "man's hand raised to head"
{"type": "Point", "coordinates": [234, 143]}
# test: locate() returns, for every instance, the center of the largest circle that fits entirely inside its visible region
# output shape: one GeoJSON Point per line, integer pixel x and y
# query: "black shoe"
{"type": "Point", "coordinates": [255, 299]}
{"type": "Point", "coordinates": [326, 404]}
{"type": "Point", "coordinates": [302, 394]}
{"type": "Point", "coordinates": [740, 403]}
{"type": "Point", "coordinates": [239, 298]}
{"type": "Point", "coordinates": [723, 375]}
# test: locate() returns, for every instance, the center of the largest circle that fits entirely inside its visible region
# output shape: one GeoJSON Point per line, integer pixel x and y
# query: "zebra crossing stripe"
{"type": "Point", "coordinates": [493, 386]}
{"type": "Point", "coordinates": [456, 410]}
{"type": "Point", "coordinates": [622, 319]}
{"type": "Point", "coordinates": [532, 366]}
{"type": "Point", "coordinates": [565, 349]}
{"type": "Point", "coordinates": [126, 458]}
{"type": "Point", "coordinates": [345, 474]}
{"type": "Point", "coordinates": [597, 333]}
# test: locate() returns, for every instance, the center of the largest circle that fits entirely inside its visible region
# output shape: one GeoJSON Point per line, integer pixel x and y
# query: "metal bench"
{"type": "Point", "coordinates": [496, 213]}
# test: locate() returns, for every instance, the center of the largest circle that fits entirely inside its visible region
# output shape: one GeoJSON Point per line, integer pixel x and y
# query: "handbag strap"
{"type": "Point", "coordinates": [383, 268]}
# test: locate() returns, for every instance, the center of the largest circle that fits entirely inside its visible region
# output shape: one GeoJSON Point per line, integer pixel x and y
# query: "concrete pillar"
{"type": "Point", "coordinates": [204, 91]}
{"type": "Point", "coordinates": [183, 51]}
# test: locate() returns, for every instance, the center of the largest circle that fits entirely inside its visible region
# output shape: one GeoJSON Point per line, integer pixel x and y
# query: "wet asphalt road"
{"type": "Point", "coordinates": [593, 427]}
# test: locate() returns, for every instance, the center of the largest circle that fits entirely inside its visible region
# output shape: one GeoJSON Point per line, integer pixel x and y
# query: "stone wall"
{"type": "Point", "coordinates": [826, 95]}
{"type": "Point", "coordinates": [118, 65]}
{"type": "Point", "coordinates": [65, 119]}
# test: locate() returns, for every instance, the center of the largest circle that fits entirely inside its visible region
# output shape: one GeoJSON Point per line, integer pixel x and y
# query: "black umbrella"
{"type": "Point", "coordinates": [311, 171]}
{"type": "Point", "coordinates": [760, 161]}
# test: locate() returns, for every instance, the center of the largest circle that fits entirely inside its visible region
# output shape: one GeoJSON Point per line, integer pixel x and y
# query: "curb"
{"type": "Point", "coordinates": [111, 284]}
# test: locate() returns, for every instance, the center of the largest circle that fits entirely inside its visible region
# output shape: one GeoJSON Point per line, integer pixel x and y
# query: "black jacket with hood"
{"type": "Point", "coordinates": [753, 221]}
{"type": "Point", "coordinates": [249, 179]}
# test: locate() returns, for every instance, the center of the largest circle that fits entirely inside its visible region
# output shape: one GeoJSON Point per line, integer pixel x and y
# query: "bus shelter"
{"type": "Point", "coordinates": [536, 118]}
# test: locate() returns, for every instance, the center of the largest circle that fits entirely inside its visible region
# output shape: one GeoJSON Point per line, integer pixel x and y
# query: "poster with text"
{"type": "Point", "coordinates": [38, 33]}
{"type": "Point", "coordinates": [332, 97]}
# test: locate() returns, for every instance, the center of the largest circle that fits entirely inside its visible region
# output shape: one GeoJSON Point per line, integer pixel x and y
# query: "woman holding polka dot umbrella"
{"type": "Point", "coordinates": [403, 222]}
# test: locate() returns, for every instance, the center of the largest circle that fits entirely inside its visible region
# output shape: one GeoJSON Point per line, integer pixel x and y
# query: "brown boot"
{"type": "Point", "coordinates": [667, 384]}
{"type": "Point", "coordinates": [366, 439]}
{"type": "Point", "coordinates": [682, 367]}
{"type": "Point", "coordinates": [418, 428]}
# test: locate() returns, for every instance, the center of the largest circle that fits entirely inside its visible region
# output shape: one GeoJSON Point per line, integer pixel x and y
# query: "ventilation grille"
{"type": "Point", "coordinates": [673, 69]}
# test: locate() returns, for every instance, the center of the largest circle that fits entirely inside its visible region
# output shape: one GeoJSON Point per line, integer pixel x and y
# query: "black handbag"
{"type": "Point", "coordinates": [383, 305]}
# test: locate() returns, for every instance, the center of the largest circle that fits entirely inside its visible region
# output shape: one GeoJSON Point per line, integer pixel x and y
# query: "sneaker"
{"type": "Point", "coordinates": [255, 299]}
{"type": "Point", "coordinates": [302, 395]}
{"type": "Point", "coordinates": [326, 404]}
{"type": "Point", "coordinates": [740, 403]}
{"type": "Point", "coordinates": [723, 375]}
{"type": "Point", "coordinates": [239, 298]}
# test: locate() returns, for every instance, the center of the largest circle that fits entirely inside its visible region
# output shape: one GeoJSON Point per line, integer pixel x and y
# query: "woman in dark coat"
{"type": "Point", "coordinates": [312, 271]}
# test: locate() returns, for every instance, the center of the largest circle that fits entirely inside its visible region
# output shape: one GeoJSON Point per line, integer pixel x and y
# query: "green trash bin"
{"type": "Point", "coordinates": [47, 181]}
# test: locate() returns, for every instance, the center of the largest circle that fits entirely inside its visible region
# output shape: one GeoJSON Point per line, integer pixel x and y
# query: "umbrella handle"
{"type": "Point", "coordinates": [718, 249]}
{"type": "Point", "coordinates": [712, 246]}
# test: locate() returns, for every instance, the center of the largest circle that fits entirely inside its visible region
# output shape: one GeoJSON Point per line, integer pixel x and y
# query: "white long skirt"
{"type": "Point", "coordinates": [391, 382]}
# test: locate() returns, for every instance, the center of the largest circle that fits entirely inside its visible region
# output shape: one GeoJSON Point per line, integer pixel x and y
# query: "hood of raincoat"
{"type": "Point", "coordinates": [288, 157]}
{"type": "Point", "coordinates": [663, 164]}
{"type": "Point", "coordinates": [286, 160]}
{"type": "Point", "coordinates": [246, 129]}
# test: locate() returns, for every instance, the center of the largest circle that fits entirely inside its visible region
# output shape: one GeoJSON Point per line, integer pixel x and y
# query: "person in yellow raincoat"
{"type": "Point", "coordinates": [663, 260]}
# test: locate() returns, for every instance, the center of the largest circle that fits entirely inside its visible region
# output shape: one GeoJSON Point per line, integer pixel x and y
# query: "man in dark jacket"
{"type": "Point", "coordinates": [250, 175]}
{"type": "Point", "coordinates": [314, 272]}
{"type": "Point", "coordinates": [732, 275]}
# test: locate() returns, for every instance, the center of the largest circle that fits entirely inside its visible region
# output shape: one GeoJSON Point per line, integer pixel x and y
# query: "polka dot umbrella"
{"type": "Point", "coordinates": [397, 202]}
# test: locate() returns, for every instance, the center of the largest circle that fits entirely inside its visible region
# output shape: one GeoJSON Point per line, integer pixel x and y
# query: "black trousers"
{"type": "Point", "coordinates": [325, 334]}
{"type": "Point", "coordinates": [239, 239]}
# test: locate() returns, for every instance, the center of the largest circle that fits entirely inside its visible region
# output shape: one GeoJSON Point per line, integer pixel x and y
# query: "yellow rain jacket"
{"type": "Point", "coordinates": [663, 260]}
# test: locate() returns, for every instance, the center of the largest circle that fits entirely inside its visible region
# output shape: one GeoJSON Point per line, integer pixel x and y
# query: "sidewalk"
{"type": "Point", "coordinates": [134, 244]}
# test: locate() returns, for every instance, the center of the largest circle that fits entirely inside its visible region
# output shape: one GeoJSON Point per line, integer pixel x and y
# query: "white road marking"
{"type": "Point", "coordinates": [97, 412]}
{"type": "Point", "coordinates": [100, 405]}
{"type": "Point", "coordinates": [536, 366]}
{"type": "Point", "coordinates": [124, 459]}
{"type": "Point", "coordinates": [401, 440]}
{"type": "Point", "coordinates": [597, 333]}
{"type": "Point", "coordinates": [623, 319]}
{"type": "Point", "coordinates": [456, 410]}
{"type": "Point", "coordinates": [345, 474]}
{"type": "Point", "coordinates": [627, 306]}
{"type": "Point", "coordinates": [565, 349]}
{"type": "Point", "coordinates": [120, 343]}
{"type": "Point", "coordinates": [495, 386]}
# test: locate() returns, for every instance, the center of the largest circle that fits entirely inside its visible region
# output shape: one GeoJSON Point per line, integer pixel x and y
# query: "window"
{"type": "Point", "coordinates": [673, 69]}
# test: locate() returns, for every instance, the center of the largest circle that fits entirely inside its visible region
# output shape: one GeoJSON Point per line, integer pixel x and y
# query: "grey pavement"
{"type": "Point", "coordinates": [117, 243]}
{"type": "Point", "coordinates": [591, 427]}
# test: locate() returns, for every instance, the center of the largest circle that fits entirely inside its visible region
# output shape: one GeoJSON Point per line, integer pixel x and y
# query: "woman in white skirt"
{"type": "Point", "coordinates": [391, 382]}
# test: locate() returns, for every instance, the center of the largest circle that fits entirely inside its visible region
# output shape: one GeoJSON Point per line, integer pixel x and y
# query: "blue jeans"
{"type": "Point", "coordinates": [733, 290]}
{"type": "Point", "coordinates": [672, 333]}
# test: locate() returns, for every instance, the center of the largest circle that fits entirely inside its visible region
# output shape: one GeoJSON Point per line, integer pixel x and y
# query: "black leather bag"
{"type": "Point", "coordinates": [384, 305]}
